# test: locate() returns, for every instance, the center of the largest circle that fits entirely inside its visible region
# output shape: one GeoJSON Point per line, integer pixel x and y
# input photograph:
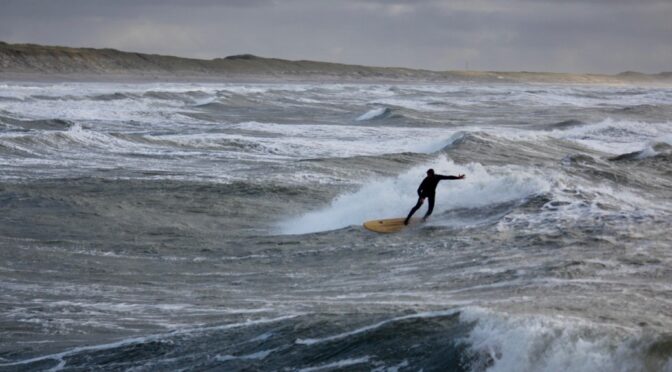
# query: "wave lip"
{"type": "Point", "coordinates": [615, 136]}
{"type": "Point", "coordinates": [661, 148]}
{"type": "Point", "coordinates": [377, 113]}
{"type": "Point", "coordinates": [557, 344]}
{"type": "Point", "coordinates": [566, 124]}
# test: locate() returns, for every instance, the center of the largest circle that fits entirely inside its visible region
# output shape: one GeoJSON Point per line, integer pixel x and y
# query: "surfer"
{"type": "Point", "coordinates": [427, 190]}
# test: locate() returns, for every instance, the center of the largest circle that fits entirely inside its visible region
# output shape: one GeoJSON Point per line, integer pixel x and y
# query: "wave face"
{"type": "Point", "coordinates": [171, 226]}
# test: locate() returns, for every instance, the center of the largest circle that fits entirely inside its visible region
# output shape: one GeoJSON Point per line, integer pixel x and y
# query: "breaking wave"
{"type": "Point", "coordinates": [393, 197]}
{"type": "Point", "coordinates": [377, 113]}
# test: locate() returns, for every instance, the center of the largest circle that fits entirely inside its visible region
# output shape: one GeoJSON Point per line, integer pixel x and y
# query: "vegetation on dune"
{"type": "Point", "coordinates": [40, 59]}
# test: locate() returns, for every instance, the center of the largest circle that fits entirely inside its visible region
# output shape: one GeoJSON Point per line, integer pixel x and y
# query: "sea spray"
{"type": "Point", "coordinates": [393, 197]}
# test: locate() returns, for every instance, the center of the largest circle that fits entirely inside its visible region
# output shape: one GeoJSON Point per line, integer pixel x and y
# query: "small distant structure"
{"type": "Point", "coordinates": [243, 56]}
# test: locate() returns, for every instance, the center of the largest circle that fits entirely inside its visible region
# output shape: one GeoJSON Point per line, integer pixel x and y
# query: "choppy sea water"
{"type": "Point", "coordinates": [218, 227]}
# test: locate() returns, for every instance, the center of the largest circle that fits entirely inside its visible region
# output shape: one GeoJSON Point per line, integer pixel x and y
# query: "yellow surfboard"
{"type": "Point", "coordinates": [389, 225]}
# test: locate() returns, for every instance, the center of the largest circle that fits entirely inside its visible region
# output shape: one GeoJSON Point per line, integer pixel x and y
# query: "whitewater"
{"type": "Point", "coordinates": [218, 226]}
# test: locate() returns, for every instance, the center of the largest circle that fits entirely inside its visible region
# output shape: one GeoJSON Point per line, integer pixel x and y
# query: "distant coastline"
{"type": "Point", "coordinates": [41, 62]}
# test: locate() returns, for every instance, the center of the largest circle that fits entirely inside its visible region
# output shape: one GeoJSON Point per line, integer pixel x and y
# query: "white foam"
{"type": "Point", "coordinates": [117, 307]}
{"type": "Point", "coordinates": [616, 137]}
{"type": "Point", "coordinates": [648, 152]}
{"type": "Point", "coordinates": [395, 368]}
{"type": "Point", "coordinates": [336, 365]}
{"type": "Point", "coordinates": [189, 155]}
{"type": "Point", "coordinates": [540, 343]}
{"type": "Point", "coordinates": [422, 103]}
{"type": "Point", "coordinates": [259, 355]}
{"type": "Point", "coordinates": [394, 197]}
{"type": "Point", "coordinates": [263, 337]}
{"type": "Point", "coordinates": [140, 110]}
{"type": "Point", "coordinates": [372, 114]}
{"type": "Point", "coordinates": [667, 138]}
{"type": "Point", "coordinates": [313, 141]}
{"type": "Point", "coordinates": [575, 199]}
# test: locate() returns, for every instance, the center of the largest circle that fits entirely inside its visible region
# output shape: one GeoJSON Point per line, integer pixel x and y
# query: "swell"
{"type": "Point", "coordinates": [196, 97]}
{"type": "Point", "coordinates": [111, 97]}
{"type": "Point", "coordinates": [385, 165]}
{"type": "Point", "coordinates": [46, 137]}
{"type": "Point", "coordinates": [191, 97]}
{"type": "Point", "coordinates": [228, 100]}
{"type": "Point", "coordinates": [390, 114]}
{"type": "Point", "coordinates": [490, 149]}
{"type": "Point", "coordinates": [377, 114]}
{"type": "Point", "coordinates": [273, 344]}
{"type": "Point", "coordinates": [38, 124]}
{"type": "Point", "coordinates": [173, 213]}
{"type": "Point", "coordinates": [212, 141]}
{"type": "Point", "coordinates": [454, 340]}
{"type": "Point", "coordinates": [565, 124]}
{"type": "Point", "coordinates": [64, 136]}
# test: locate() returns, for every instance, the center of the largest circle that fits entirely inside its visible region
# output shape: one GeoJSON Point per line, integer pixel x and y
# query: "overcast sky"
{"type": "Point", "coordinates": [607, 36]}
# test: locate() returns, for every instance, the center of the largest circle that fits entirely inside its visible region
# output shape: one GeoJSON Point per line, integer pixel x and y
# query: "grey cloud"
{"type": "Point", "coordinates": [574, 36]}
{"type": "Point", "coordinates": [114, 8]}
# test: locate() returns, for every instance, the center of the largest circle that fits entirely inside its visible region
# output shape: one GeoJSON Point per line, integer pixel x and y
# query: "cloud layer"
{"type": "Point", "coordinates": [607, 36]}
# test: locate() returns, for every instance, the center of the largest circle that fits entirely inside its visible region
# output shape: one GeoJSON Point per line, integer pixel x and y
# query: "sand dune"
{"type": "Point", "coordinates": [55, 62]}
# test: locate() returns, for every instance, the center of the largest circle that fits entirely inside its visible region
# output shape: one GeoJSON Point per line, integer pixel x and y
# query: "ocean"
{"type": "Point", "coordinates": [218, 226]}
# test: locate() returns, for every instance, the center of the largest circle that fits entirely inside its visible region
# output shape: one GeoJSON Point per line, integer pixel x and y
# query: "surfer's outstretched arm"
{"type": "Point", "coordinates": [442, 177]}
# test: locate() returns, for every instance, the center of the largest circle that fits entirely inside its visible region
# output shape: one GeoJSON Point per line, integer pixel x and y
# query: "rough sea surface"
{"type": "Point", "coordinates": [171, 226]}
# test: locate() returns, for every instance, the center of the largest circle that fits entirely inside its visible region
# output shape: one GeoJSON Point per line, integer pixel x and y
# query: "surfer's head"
{"type": "Point", "coordinates": [430, 172]}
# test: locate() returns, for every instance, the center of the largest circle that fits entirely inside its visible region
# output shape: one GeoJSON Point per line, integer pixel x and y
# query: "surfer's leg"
{"type": "Point", "coordinates": [413, 210]}
{"type": "Point", "coordinates": [430, 207]}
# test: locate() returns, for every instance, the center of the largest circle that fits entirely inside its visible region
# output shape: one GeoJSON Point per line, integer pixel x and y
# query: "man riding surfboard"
{"type": "Point", "coordinates": [427, 190]}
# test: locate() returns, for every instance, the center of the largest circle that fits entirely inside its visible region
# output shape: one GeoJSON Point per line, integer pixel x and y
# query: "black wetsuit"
{"type": "Point", "coordinates": [427, 190]}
